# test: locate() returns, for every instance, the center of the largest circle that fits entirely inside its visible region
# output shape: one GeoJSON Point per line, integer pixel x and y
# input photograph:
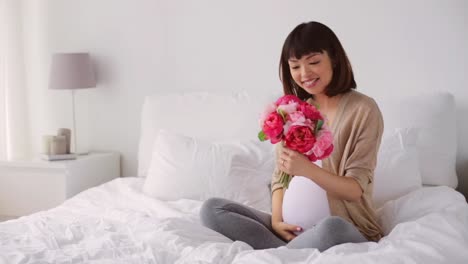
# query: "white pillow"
{"type": "Point", "coordinates": [397, 172]}
{"type": "Point", "coordinates": [434, 116]}
{"type": "Point", "coordinates": [187, 168]}
{"type": "Point", "coordinates": [202, 115]}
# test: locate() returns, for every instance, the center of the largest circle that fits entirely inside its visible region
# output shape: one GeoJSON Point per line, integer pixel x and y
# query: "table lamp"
{"type": "Point", "coordinates": [72, 71]}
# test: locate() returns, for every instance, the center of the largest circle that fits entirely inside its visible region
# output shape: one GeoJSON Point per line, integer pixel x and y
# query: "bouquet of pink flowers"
{"type": "Point", "coordinates": [299, 126]}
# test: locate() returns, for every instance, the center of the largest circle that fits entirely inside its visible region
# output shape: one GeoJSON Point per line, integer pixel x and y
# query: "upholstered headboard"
{"type": "Point", "coordinates": [221, 115]}
{"type": "Point", "coordinates": [204, 115]}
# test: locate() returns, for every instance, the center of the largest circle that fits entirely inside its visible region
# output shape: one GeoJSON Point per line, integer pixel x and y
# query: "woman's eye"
{"type": "Point", "coordinates": [294, 67]}
{"type": "Point", "coordinates": [314, 62]}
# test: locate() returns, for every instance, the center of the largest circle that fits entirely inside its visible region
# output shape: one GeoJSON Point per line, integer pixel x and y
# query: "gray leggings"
{"type": "Point", "coordinates": [239, 222]}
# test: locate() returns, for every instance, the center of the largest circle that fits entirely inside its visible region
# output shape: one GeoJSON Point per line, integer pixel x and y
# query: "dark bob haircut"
{"type": "Point", "coordinates": [316, 37]}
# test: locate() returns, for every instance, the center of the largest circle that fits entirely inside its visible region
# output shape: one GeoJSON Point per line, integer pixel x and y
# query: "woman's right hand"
{"type": "Point", "coordinates": [285, 230]}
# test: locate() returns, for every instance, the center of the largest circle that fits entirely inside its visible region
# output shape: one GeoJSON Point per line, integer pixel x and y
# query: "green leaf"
{"type": "Point", "coordinates": [262, 136]}
{"type": "Point", "coordinates": [319, 126]}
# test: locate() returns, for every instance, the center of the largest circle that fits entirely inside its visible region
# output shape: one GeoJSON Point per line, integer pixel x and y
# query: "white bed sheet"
{"type": "Point", "coordinates": [116, 223]}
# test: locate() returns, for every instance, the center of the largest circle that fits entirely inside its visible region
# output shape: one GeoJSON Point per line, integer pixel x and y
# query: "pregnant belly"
{"type": "Point", "coordinates": [304, 203]}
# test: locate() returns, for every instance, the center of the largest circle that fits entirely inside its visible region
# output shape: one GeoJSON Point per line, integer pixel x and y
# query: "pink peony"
{"type": "Point", "coordinates": [312, 157]}
{"type": "Point", "coordinates": [286, 99]}
{"type": "Point", "coordinates": [289, 108]}
{"type": "Point", "coordinates": [276, 139]}
{"type": "Point", "coordinates": [296, 117]}
{"type": "Point", "coordinates": [310, 111]}
{"type": "Point", "coordinates": [324, 141]}
{"type": "Point", "coordinates": [273, 127]}
{"type": "Point", "coordinates": [270, 108]}
{"type": "Point", "coordinates": [300, 138]}
{"type": "Point", "coordinates": [286, 127]}
{"type": "Point", "coordinates": [327, 152]}
{"type": "Point", "coordinates": [298, 122]}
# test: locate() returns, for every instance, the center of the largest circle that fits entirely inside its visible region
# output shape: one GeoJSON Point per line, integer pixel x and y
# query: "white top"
{"type": "Point", "coordinates": [305, 203]}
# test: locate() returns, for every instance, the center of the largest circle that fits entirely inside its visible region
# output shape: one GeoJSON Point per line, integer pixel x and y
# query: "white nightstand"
{"type": "Point", "coordinates": [30, 186]}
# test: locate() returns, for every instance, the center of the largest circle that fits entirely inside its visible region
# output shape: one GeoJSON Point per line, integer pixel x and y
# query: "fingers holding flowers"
{"type": "Point", "coordinates": [282, 165]}
{"type": "Point", "coordinates": [293, 162]}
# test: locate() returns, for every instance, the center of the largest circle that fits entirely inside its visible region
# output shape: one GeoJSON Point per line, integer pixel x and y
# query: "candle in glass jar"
{"type": "Point", "coordinates": [58, 145]}
{"type": "Point", "coordinates": [46, 143]}
{"type": "Point", "coordinates": [67, 133]}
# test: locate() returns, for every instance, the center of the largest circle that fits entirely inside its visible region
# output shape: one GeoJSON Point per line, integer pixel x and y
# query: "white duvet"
{"type": "Point", "coordinates": [116, 223]}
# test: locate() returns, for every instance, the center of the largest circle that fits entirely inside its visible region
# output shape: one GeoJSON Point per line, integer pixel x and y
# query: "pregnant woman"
{"type": "Point", "coordinates": [314, 67]}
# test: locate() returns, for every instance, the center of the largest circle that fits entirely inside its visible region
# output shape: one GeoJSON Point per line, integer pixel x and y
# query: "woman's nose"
{"type": "Point", "coordinates": [305, 71]}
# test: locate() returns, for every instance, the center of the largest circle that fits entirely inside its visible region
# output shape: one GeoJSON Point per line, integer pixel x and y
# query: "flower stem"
{"type": "Point", "coordinates": [285, 179]}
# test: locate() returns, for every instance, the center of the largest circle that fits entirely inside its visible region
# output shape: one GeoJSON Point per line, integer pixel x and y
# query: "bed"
{"type": "Point", "coordinates": [149, 219]}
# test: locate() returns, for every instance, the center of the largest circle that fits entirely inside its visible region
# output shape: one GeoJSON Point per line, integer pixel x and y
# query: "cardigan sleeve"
{"type": "Point", "coordinates": [366, 135]}
{"type": "Point", "coordinates": [275, 184]}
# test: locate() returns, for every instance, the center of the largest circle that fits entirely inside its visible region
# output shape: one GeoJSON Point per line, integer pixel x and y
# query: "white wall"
{"type": "Point", "coordinates": [143, 46]}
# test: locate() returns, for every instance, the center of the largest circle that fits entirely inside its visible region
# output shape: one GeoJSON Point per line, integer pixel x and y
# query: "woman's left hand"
{"type": "Point", "coordinates": [294, 163]}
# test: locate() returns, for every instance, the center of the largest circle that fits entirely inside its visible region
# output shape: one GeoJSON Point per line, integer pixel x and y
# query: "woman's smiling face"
{"type": "Point", "coordinates": [312, 72]}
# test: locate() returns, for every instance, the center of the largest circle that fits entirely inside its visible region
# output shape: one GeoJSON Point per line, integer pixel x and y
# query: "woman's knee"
{"type": "Point", "coordinates": [341, 230]}
{"type": "Point", "coordinates": [334, 223]}
{"type": "Point", "coordinates": [332, 226]}
{"type": "Point", "coordinates": [208, 210]}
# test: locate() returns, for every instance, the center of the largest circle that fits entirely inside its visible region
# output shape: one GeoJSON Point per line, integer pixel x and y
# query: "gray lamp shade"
{"type": "Point", "coordinates": [71, 71]}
